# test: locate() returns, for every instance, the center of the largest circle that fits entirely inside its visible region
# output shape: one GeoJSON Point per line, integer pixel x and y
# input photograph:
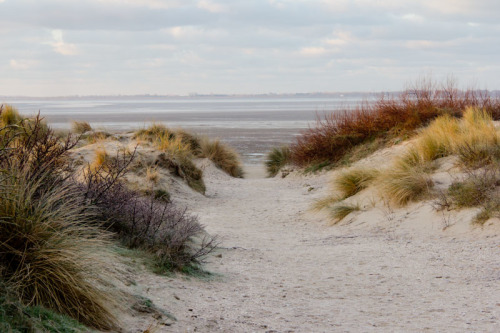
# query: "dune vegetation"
{"type": "Point", "coordinates": [182, 147]}
{"type": "Point", "coordinates": [60, 224]}
{"type": "Point", "coordinates": [474, 143]}
{"type": "Point", "coordinates": [345, 136]}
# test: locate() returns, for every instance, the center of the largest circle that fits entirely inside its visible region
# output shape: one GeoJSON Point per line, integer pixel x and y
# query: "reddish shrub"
{"type": "Point", "coordinates": [389, 117]}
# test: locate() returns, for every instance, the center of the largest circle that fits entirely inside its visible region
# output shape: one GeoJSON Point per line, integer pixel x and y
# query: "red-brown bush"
{"type": "Point", "coordinates": [389, 117]}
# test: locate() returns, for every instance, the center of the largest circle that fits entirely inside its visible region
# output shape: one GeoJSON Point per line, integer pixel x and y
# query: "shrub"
{"type": "Point", "coordinates": [335, 135]}
{"type": "Point", "coordinates": [222, 155]}
{"type": "Point", "coordinates": [48, 252]}
{"type": "Point", "coordinates": [276, 160]}
{"type": "Point", "coordinates": [351, 181]}
{"type": "Point", "coordinates": [153, 224]}
{"type": "Point", "coordinates": [80, 127]}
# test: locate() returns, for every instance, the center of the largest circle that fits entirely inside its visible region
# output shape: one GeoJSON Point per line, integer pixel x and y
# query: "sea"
{"type": "Point", "coordinates": [251, 125]}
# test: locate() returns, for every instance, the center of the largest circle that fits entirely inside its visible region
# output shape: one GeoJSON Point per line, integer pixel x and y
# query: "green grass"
{"type": "Point", "coordinates": [49, 254]}
{"type": "Point", "coordinates": [17, 318]}
{"type": "Point", "coordinates": [341, 210]}
{"type": "Point", "coordinates": [353, 180]}
{"type": "Point", "coordinates": [222, 155]}
{"type": "Point", "coordinates": [276, 160]}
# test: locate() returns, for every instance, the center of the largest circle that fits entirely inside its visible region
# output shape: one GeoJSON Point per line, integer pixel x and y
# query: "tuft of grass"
{"type": "Point", "coordinates": [48, 252]}
{"type": "Point", "coordinates": [405, 181]}
{"type": "Point", "coordinates": [277, 159]}
{"type": "Point", "coordinates": [80, 127]}
{"type": "Point", "coordinates": [183, 146]}
{"type": "Point", "coordinates": [222, 155]}
{"type": "Point", "coordinates": [162, 195]}
{"type": "Point", "coordinates": [353, 180]}
{"type": "Point", "coordinates": [325, 203]}
{"type": "Point", "coordinates": [340, 211]}
{"type": "Point", "coordinates": [95, 137]}
{"type": "Point", "coordinates": [16, 317]}
{"type": "Point", "coordinates": [152, 175]}
{"type": "Point", "coordinates": [9, 116]}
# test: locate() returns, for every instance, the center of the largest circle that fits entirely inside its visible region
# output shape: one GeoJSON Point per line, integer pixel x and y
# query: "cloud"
{"type": "Point", "coordinates": [153, 4]}
{"type": "Point", "coordinates": [212, 7]}
{"type": "Point", "coordinates": [313, 51]}
{"type": "Point", "coordinates": [178, 46]}
{"type": "Point", "coordinates": [22, 64]}
{"type": "Point", "coordinates": [60, 46]}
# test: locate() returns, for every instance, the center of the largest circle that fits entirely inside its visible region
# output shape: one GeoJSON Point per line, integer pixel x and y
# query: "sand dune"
{"type": "Point", "coordinates": [283, 269]}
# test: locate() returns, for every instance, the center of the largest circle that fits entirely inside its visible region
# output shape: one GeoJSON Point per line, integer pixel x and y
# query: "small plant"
{"type": "Point", "coordinates": [49, 253]}
{"type": "Point", "coordinates": [95, 137]}
{"type": "Point", "coordinates": [403, 184]}
{"type": "Point", "coordinates": [222, 155]}
{"type": "Point", "coordinates": [152, 223]}
{"type": "Point", "coordinates": [9, 116]}
{"type": "Point", "coordinates": [80, 127]}
{"type": "Point", "coordinates": [277, 159]}
{"type": "Point", "coordinates": [340, 211]}
{"type": "Point", "coordinates": [351, 181]}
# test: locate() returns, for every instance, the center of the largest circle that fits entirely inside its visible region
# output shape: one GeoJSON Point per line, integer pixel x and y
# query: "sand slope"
{"type": "Point", "coordinates": [282, 269]}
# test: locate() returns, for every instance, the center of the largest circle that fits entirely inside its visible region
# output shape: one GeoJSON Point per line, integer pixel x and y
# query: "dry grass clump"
{"type": "Point", "coordinates": [336, 135]}
{"type": "Point", "coordinates": [49, 255]}
{"type": "Point", "coordinates": [473, 138]}
{"type": "Point", "coordinates": [181, 147]}
{"type": "Point", "coordinates": [351, 181]}
{"type": "Point", "coordinates": [95, 136]}
{"type": "Point", "coordinates": [276, 160]}
{"type": "Point", "coordinates": [16, 317]}
{"type": "Point", "coordinates": [9, 116]}
{"type": "Point", "coordinates": [222, 155]}
{"type": "Point", "coordinates": [478, 188]}
{"type": "Point", "coordinates": [80, 127]}
{"type": "Point", "coordinates": [341, 210]}
{"type": "Point", "coordinates": [403, 185]}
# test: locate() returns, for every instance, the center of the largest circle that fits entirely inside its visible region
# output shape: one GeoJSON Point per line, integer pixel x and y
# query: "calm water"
{"type": "Point", "coordinates": [252, 125]}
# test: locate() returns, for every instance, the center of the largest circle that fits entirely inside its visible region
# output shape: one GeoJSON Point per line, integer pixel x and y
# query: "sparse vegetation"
{"type": "Point", "coordinates": [222, 155]}
{"type": "Point", "coordinates": [9, 116]}
{"type": "Point", "coordinates": [181, 147]}
{"type": "Point", "coordinates": [351, 181]}
{"type": "Point", "coordinates": [56, 231]}
{"type": "Point", "coordinates": [50, 255]}
{"type": "Point", "coordinates": [152, 223]}
{"type": "Point", "coordinates": [405, 184]}
{"type": "Point", "coordinates": [80, 127]}
{"type": "Point", "coordinates": [340, 211]}
{"type": "Point", "coordinates": [277, 159]}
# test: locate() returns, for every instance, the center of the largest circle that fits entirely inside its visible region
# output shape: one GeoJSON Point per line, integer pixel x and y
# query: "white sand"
{"type": "Point", "coordinates": [283, 269]}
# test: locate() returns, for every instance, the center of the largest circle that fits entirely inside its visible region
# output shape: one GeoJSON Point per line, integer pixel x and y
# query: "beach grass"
{"type": "Point", "coordinates": [276, 159]}
{"type": "Point", "coordinates": [399, 116]}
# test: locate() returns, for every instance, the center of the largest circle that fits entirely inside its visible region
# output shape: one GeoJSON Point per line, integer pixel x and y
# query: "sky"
{"type": "Point", "coordinates": [110, 47]}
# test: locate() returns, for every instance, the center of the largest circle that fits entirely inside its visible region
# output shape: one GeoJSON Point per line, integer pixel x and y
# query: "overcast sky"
{"type": "Point", "coordinates": [87, 47]}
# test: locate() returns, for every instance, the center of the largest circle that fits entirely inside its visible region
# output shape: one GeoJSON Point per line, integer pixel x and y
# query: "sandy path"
{"type": "Point", "coordinates": [282, 271]}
